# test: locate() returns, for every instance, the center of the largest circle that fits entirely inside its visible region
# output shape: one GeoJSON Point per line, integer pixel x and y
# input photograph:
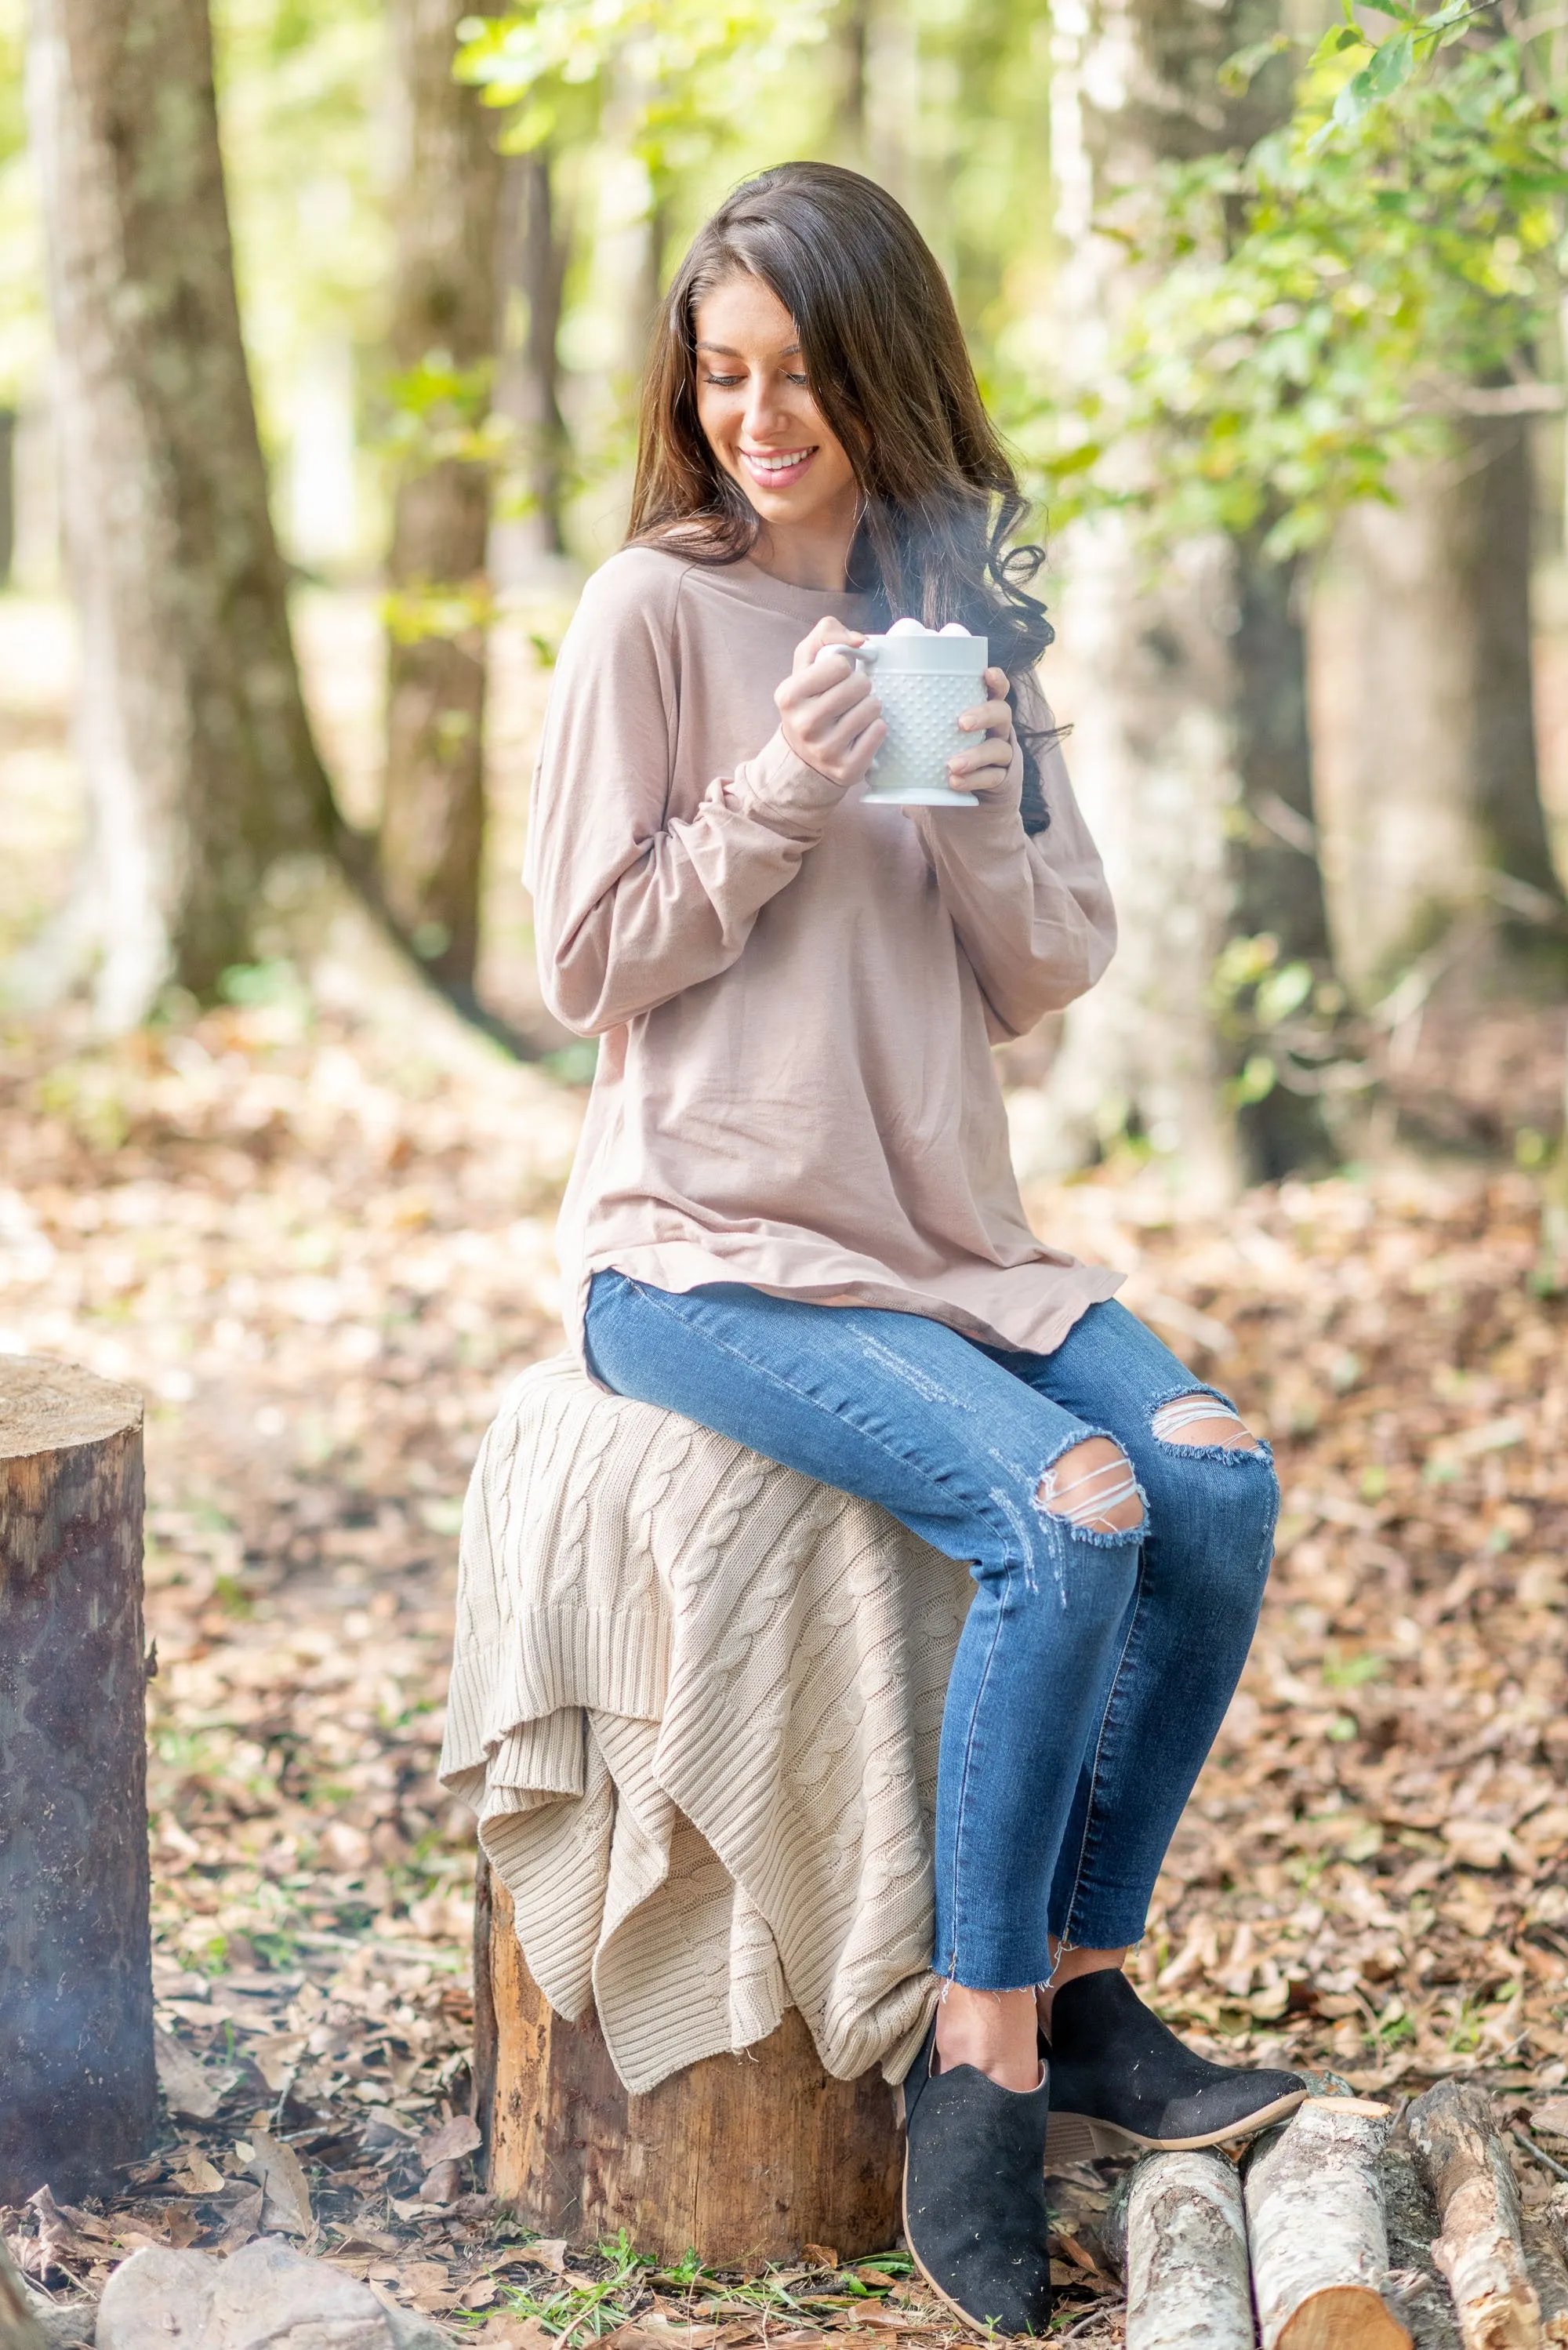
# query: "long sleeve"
{"type": "Point", "coordinates": [632, 901]}
{"type": "Point", "coordinates": [1032, 913]}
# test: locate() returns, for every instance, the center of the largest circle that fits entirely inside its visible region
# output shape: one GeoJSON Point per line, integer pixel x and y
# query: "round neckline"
{"type": "Point", "coordinates": [788, 591]}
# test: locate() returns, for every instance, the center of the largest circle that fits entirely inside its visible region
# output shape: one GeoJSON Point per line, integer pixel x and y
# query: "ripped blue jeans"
{"type": "Point", "coordinates": [1095, 1666]}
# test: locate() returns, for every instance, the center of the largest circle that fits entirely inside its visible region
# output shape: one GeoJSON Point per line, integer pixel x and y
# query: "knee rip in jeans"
{"type": "Point", "coordinates": [1203, 1420]}
{"type": "Point", "coordinates": [1092, 1486]}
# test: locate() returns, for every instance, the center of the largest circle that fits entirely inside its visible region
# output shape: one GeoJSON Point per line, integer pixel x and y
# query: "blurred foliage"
{"type": "Point", "coordinates": [24, 333]}
{"type": "Point", "coordinates": [1330, 301]}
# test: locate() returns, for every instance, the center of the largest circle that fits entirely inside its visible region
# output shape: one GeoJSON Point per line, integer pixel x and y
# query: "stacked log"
{"type": "Point", "coordinates": [1481, 2249]}
{"type": "Point", "coordinates": [1319, 2243]}
{"type": "Point", "coordinates": [1179, 2239]}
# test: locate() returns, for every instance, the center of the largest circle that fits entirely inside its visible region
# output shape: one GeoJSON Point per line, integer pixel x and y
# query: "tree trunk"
{"type": "Point", "coordinates": [1479, 2250]}
{"type": "Point", "coordinates": [444, 311]}
{"type": "Point", "coordinates": [746, 2157]}
{"type": "Point", "coordinates": [1275, 859]}
{"type": "Point", "coordinates": [1422, 717]}
{"type": "Point", "coordinates": [1146, 674]}
{"type": "Point", "coordinates": [536, 250]}
{"type": "Point", "coordinates": [1320, 2245]}
{"type": "Point", "coordinates": [198, 766]}
{"type": "Point", "coordinates": [78, 2092]}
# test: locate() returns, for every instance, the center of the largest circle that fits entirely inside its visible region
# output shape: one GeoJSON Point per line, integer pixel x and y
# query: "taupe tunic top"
{"type": "Point", "coordinates": [795, 992]}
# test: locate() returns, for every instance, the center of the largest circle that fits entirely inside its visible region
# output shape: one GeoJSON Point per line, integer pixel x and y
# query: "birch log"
{"type": "Point", "coordinates": [1480, 2250]}
{"type": "Point", "coordinates": [1548, 2272]}
{"type": "Point", "coordinates": [1320, 2248]}
{"type": "Point", "coordinates": [1179, 2237]}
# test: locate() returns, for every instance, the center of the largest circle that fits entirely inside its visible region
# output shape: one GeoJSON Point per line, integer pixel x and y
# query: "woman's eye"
{"type": "Point", "coordinates": [797, 379]}
{"type": "Point", "coordinates": [723, 382]}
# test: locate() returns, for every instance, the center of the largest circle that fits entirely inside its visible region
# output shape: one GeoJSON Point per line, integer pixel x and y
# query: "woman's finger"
{"type": "Point", "coordinates": [827, 631]}
{"type": "Point", "coordinates": [995, 717]}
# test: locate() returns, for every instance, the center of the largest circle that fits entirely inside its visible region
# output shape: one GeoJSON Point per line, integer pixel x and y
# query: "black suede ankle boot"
{"type": "Point", "coordinates": [1120, 2080]}
{"type": "Point", "coordinates": [974, 2193]}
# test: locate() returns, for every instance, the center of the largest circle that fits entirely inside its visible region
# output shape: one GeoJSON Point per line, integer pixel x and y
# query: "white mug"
{"type": "Point", "coordinates": [925, 679]}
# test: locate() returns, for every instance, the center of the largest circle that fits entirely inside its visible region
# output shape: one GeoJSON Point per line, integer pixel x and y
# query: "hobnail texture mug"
{"type": "Point", "coordinates": [925, 679]}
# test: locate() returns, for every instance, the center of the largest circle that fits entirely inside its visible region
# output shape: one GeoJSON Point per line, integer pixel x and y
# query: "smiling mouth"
{"type": "Point", "coordinates": [776, 467]}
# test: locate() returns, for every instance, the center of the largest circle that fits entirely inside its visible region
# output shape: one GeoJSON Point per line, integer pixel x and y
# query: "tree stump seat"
{"type": "Point", "coordinates": [742, 2158]}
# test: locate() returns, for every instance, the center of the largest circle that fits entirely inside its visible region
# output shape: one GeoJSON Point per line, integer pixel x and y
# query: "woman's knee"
{"type": "Point", "coordinates": [1206, 1460]}
{"type": "Point", "coordinates": [1092, 1487]}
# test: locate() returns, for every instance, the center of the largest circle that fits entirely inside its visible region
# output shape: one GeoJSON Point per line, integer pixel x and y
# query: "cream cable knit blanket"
{"type": "Point", "coordinates": [695, 1703]}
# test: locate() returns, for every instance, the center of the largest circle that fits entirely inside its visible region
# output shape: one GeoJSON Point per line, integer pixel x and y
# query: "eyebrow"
{"type": "Point", "coordinates": [790, 350]}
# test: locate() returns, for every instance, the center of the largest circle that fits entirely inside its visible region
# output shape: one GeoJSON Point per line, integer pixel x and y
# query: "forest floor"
{"type": "Point", "coordinates": [315, 1228]}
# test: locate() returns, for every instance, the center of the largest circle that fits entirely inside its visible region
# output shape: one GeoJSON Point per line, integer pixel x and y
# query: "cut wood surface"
{"type": "Point", "coordinates": [745, 2157]}
{"type": "Point", "coordinates": [1480, 2250]}
{"type": "Point", "coordinates": [78, 2090]}
{"type": "Point", "coordinates": [1319, 2244]}
{"type": "Point", "coordinates": [1180, 2239]}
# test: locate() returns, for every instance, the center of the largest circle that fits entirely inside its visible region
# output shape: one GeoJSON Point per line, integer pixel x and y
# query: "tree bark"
{"type": "Point", "coordinates": [1479, 2250]}
{"type": "Point", "coordinates": [746, 2157]}
{"type": "Point", "coordinates": [1320, 2246]}
{"type": "Point", "coordinates": [78, 2091]}
{"type": "Point", "coordinates": [1179, 2239]}
{"type": "Point", "coordinates": [1548, 2272]}
{"type": "Point", "coordinates": [1274, 861]}
{"type": "Point", "coordinates": [536, 251]}
{"type": "Point", "coordinates": [445, 300]}
{"type": "Point", "coordinates": [198, 766]}
{"type": "Point", "coordinates": [1422, 717]}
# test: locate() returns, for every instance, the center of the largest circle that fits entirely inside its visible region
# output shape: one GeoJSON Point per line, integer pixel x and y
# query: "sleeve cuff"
{"type": "Point", "coordinates": [778, 789]}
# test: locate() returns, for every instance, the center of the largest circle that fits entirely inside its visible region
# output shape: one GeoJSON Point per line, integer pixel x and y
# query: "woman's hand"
{"type": "Point", "coordinates": [994, 768]}
{"type": "Point", "coordinates": [827, 713]}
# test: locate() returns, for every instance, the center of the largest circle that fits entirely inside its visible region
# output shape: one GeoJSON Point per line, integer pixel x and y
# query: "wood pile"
{"type": "Point", "coordinates": [1345, 2230]}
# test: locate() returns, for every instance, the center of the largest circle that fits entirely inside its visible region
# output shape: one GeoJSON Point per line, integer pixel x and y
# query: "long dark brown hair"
{"type": "Point", "coordinates": [886, 361]}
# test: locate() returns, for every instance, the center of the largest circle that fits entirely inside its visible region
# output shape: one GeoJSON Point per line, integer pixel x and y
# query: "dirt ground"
{"type": "Point", "coordinates": [314, 1226]}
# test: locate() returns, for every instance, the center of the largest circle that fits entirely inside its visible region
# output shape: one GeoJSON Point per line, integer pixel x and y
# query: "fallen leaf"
{"type": "Point", "coordinates": [276, 2057]}
{"type": "Point", "coordinates": [1481, 1844]}
{"type": "Point", "coordinates": [822, 2255]}
{"type": "Point", "coordinates": [1551, 2116]}
{"type": "Point", "coordinates": [549, 2252]}
{"type": "Point", "coordinates": [197, 2176]}
{"type": "Point", "coordinates": [188, 2088]}
{"type": "Point", "coordinates": [454, 2138]}
{"type": "Point", "coordinates": [443, 2185]}
{"type": "Point", "coordinates": [284, 2188]}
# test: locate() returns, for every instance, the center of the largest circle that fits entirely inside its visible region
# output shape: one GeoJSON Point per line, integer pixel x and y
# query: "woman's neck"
{"type": "Point", "coordinates": [808, 555]}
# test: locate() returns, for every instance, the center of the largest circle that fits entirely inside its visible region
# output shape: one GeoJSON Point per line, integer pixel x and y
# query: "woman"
{"type": "Point", "coordinates": [792, 1216]}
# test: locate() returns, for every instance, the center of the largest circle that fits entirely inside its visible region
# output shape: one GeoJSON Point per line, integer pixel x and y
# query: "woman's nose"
{"type": "Point", "coordinates": [765, 412]}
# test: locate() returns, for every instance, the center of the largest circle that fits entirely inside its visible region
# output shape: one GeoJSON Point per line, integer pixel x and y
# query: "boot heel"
{"type": "Point", "coordinates": [1075, 2137]}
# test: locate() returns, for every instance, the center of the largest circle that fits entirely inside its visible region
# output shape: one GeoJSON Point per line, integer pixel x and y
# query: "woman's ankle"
{"type": "Point", "coordinates": [1066, 1965]}
{"type": "Point", "coordinates": [995, 2031]}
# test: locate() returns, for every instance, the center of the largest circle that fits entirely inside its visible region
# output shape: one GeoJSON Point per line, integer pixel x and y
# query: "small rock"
{"type": "Point", "coordinates": [266, 2296]}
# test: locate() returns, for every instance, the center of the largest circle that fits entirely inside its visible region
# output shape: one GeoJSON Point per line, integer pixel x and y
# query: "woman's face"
{"type": "Point", "coordinates": [758, 417]}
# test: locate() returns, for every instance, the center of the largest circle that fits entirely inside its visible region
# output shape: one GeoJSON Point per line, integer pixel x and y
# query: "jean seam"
{"type": "Point", "coordinates": [1099, 1754]}
{"type": "Point", "coordinates": [951, 1965]}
